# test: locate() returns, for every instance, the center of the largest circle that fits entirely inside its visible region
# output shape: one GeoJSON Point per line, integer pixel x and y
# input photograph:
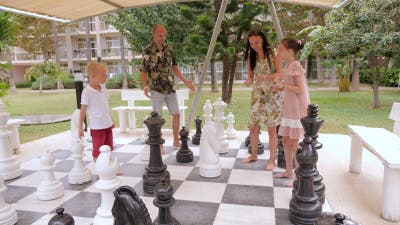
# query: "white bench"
{"type": "Point", "coordinates": [132, 96]}
{"type": "Point", "coordinates": [385, 145]}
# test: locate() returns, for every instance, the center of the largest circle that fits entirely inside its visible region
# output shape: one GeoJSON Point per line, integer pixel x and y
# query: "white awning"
{"type": "Point", "coordinates": [73, 10]}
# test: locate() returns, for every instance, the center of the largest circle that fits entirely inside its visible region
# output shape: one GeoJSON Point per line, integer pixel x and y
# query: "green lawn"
{"type": "Point", "coordinates": [337, 109]}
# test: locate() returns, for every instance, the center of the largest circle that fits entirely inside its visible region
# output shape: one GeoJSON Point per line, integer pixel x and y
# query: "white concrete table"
{"type": "Point", "coordinates": [12, 125]}
{"type": "Point", "coordinates": [385, 145]}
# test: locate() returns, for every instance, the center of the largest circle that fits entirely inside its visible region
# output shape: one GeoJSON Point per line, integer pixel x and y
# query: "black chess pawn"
{"type": "Point", "coordinates": [260, 148]}
{"type": "Point", "coordinates": [197, 136]}
{"type": "Point", "coordinates": [164, 200]}
{"type": "Point", "coordinates": [305, 206]}
{"type": "Point", "coordinates": [61, 218]}
{"type": "Point", "coordinates": [184, 155]}
{"type": "Point", "coordinates": [156, 169]}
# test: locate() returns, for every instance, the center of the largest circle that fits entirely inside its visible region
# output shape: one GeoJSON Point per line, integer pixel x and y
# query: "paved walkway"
{"type": "Point", "coordinates": [356, 195]}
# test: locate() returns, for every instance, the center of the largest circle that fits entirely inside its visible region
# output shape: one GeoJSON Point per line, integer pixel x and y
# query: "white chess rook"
{"type": "Point", "coordinates": [8, 214]}
{"type": "Point", "coordinates": [230, 131]}
{"type": "Point", "coordinates": [9, 165]}
{"type": "Point", "coordinates": [209, 165]}
{"type": "Point", "coordinates": [79, 174]}
{"type": "Point", "coordinates": [49, 188]}
{"type": "Point", "coordinates": [107, 168]}
{"type": "Point", "coordinates": [219, 107]}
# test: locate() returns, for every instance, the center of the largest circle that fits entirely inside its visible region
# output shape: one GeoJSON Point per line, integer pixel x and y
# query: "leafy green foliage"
{"type": "Point", "coordinates": [115, 82]}
{"type": "Point", "coordinates": [47, 83]}
{"type": "Point", "coordinates": [26, 84]}
{"type": "Point", "coordinates": [48, 68]}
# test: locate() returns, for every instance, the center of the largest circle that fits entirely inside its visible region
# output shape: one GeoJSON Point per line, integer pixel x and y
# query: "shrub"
{"type": "Point", "coordinates": [26, 84]}
{"type": "Point", "coordinates": [47, 83]}
{"type": "Point", "coordinates": [134, 80]}
{"type": "Point", "coordinates": [391, 78]}
{"type": "Point", "coordinates": [114, 83]}
{"type": "Point", "coordinates": [69, 83]}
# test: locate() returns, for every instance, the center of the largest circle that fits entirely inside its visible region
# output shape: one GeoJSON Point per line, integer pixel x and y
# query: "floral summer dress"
{"type": "Point", "coordinates": [266, 105]}
{"type": "Point", "coordinates": [294, 105]}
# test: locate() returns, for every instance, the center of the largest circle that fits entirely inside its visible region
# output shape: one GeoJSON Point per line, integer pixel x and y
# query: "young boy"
{"type": "Point", "coordinates": [95, 101]}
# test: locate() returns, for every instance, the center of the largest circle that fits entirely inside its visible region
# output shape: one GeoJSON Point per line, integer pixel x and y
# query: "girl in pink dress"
{"type": "Point", "coordinates": [295, 101]}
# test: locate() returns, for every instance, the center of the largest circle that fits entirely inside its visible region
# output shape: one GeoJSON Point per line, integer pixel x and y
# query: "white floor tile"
{"type": "Point", "coordinates": [34, 179]}
{"type": "Point", "coordinates": [241, 214]}
{"type": "Point", "coordinates": [227, 162]}
{"type": "Point", "coordinates": [282, 197]}
{"type": "Point", "coordinates": [251, 177]}
{"type": "Point", "coordinates": [205, 192]}
{"type": "Point", "coordinates": [179, 172]}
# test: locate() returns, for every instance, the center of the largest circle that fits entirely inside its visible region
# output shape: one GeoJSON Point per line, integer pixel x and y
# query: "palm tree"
{"type": "Point", "coordinates": [8, 31]}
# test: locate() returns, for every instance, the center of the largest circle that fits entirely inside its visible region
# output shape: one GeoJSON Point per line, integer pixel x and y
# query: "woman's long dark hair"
{"type": "Point", "coordinates": [252, 54]}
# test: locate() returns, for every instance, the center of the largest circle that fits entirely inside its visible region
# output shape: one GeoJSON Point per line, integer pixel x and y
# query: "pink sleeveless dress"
{"type": "Point", "coordinates": [294, 105]}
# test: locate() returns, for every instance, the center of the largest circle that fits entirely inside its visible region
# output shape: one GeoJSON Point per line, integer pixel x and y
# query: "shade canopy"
{"type": "Point", "coordinates": [73, 10]}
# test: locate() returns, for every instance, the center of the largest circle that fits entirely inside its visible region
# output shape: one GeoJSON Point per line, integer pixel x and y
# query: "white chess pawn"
{"type": "Point", "coordinates": [8, 214]}
{"type": "Point", "coordinates": [230, 131]}
{"type": "Point", "coordinates": [107, 168]}
{"type": "Point", "coordinates": [9, 165]}
{"type": "Point", "coordinates": [219, 107]}
{"type": "Point", "coordinates": [50, 188]}
{"type": "Point", "coordinates": [79, 174]}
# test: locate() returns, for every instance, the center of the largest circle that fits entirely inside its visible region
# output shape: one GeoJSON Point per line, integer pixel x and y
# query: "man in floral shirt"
{"type": "Point", "coordinates": [157, 73]}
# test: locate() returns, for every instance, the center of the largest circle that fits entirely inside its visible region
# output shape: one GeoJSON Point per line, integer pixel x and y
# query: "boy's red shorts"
{"type": "Point", "coordinates": [101, 137]}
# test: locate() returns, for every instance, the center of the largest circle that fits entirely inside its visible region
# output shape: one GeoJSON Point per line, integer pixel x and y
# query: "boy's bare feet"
{"type": "Point", "coordinates": [250, 159]}
{"type": "Point", "coordinates": [270, 165]}
{"type": "Point", "coordinates": [285, 175]}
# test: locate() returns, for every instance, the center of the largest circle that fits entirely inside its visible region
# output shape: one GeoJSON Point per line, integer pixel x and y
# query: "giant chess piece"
{"type": "Point", "coordinates": [79, 174]}
{"type": "Point", "coordinates": [281, 162]}
{"type": "Point", "coordinates": [128, 208]}
{"type": "Point", "coordinates": [313, 120]}
{"type": "Point", "coordinates": [8, 214]}
{"type": "Point", "coordinates": [209, 164]}
{"type": "Point", "coordinates": [197, 136]}
{"type": "Point", "coordinates": [230, 131]}
{"type": "Point", "coordinates": [184, 155]}
{"type": "Point", "coordinates": [164, 200]}
{"type": "Point", "coordinates": [50, 188]}
{"type": "Point", "coordinates": [106, 167]}
{"type": "Point", "coordinates": [260, 146]}
{"type": "Point", "coordinates": [145, 154]}
{"type": "Point", "coordinates": [9, 165]}
{"type": "Point", "coordinates": [219, 107]}
{"type": "Point", "coordinates": [61, 218]}
{"type": "Point", "coordinates": [305, 207]}
{"type": "Point", "coordinates": [156, 169]}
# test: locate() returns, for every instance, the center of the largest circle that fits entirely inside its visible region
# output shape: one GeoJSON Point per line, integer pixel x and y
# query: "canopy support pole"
{"type": "Point", "coordinates": [217, 29]}
{"type": "Point", "coordinates": [275, 19]}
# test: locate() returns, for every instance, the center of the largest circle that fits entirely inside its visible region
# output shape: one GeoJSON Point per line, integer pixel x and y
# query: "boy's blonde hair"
{"type": "Point", "coordinates": [95, 68]}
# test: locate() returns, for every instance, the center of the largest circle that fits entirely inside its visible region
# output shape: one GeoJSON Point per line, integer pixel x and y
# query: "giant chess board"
{"type": "Point", "coordinates": [243, 194]}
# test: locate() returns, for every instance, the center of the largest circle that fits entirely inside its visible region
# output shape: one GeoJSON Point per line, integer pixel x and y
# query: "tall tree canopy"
{"type": "Point", "coordinates": [189, 27]}
{"type": "Point", "coordinates": [369, 29]}
{"type": "Point", "coordinates": [36, 36]}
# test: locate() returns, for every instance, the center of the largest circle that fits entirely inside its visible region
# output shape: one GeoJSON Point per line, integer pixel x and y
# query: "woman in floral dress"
{"type": "Point", "coordinates": [266, 102]}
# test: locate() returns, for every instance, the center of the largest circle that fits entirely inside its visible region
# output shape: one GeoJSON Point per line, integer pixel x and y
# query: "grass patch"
{"type": "Point", "coordinates": [337, 109]}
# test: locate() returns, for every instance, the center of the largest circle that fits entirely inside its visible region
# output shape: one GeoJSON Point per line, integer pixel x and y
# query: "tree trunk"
{"type": "Point", "coordinates": [11, 79]}
{"type": "Point", "coordinates": [88, 45]}
{"type": "Point", "coordinates": [56, 46]}
{"type": "Point", "coordinates": [232, 71]}
{"type": "Point", "coordinates": [225, 78]}
{"type": "Point", "coordinates": [123, 64]}
{"type": "Point", "coordinates": [214, 78]}
{"type": "Point", "coordinates": [355, 81]}
{"type": "Point", "coordinates": [320, 72]}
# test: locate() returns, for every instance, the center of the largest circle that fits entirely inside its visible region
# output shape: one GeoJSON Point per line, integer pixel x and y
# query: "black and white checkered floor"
{"type": "Point", "coordinates": [243, 194]}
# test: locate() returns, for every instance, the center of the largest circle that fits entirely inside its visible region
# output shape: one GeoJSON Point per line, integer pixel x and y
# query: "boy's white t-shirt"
{"type": "Point", "coordinates": [97, 107]}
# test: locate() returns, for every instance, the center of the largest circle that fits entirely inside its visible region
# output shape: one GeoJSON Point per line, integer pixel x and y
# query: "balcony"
{"type": "Point", "coordinates": [113, 52]}
{"type": "Point", "coordinates": [81, 53]}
